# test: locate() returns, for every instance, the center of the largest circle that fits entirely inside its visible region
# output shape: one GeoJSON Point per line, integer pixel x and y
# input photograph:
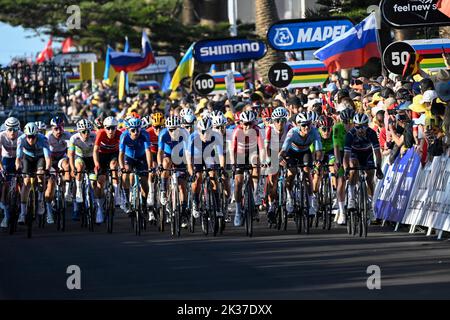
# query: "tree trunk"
{"type": "Point", "coordinates": [188, 13]}
{"type": "Point", "coordinates": [210, 14]}
{"type": "Point", "coordinates": [266, 15]}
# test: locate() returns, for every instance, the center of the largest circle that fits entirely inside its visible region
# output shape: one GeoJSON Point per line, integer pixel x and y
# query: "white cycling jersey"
{"type": "Point", "coordinates": [8, 146]}
{"type": "Point", "coordinates": [83, 149]}
{"type": "Point", "coordinates": [58, 147]}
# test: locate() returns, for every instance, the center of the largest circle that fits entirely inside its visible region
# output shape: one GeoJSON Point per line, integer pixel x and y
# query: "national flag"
{"type": "Point", "coordinates": [444, 7]}
{"type": "Point", "coordinates": [131, 61]}
{"type": "Point", "coordinates": [166, 81]}
{"type": "Point", "coordinates": [123, 80]}
{"type": "Point", "coordinates": [47, 53]}
{"type": "Point", "coordinates": [185, 68]}
{"type": "Point", "coordinates": [66, 45]}
{"type": "Point", "coordinates": [353, 48]}
{"type": "Point", "coordinates": [110, 73]}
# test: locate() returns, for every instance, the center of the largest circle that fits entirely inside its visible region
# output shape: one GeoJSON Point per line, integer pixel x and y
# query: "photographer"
{"type": "Point", "coordinates": [401, 132]}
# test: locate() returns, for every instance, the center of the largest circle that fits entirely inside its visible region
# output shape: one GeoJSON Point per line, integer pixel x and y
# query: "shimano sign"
{"type": "Point", "coordinates": [228, 50]}
{"type": "Point", "coordinates": [306, 34]}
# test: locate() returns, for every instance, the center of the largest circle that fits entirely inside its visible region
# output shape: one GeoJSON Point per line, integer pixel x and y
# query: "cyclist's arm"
{"type": "Point", "coordinates": [48, 159]}
{"type": "Point", "coordinates": [121, 160]}
{"type": "Point", "coordinates": [71, 155]}
{"type": "Point", "coordinates": [148, 155]}
{"type": "Point", "coordinates": [347, 150]}
{"type": "Point", "coordinates": [1, 148]}
{"type": "Point", "coordinates": [19, 153]}
{"type": "Point", "coordinates": [95, 156]}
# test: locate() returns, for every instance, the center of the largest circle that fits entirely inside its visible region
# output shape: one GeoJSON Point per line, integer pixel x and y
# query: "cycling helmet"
{"type": "Point", "coordinates": [313, 116]}
{"type": "Point", "coordinates": [146, 122]}
{"type": "Point", "coordinates": [31, 129]}
{"type": "Point", "coordinates": [189, 119]}
{"type": "Point", "coordinates": [157, 119]}
{"type": "Point", "coordinates": [347, 114]}
{"type": "Point", "coordinates": [360, 119]}
{"type": "Point", "coordinates": [134, 123]}
{"type": "Point", "coordinates": [279, 113]}
{"type": "Point", "coordinates": [204, 124]}
{"type": "Point", "coordinates": [41, 125]}
{"type": "Point", "coordinates": [206, 114]}
{"type": "Point", "coordinates": [110, 122]}
{"type": "Point", "coordinates": [216, 113]}
{"type": "Point", "coordinates": [173, 122]}
{"type": "Point", "coordinates": [185, 111]}
{"type": "Point", "coordinates": [266, 113]}
{"type": "Point", "coordinates": [219, 121]}
{"type": "Point", "coordinates": [12, 122]}
{"type": "Point", "coordinates": [57, 122]}
{"type": "Point", "coordinates": [302, 117]}
{"type": "Point", "coordinates": [325, 121]}
{"type": "Point", "coordinates": [98, 123]}
{"type": "Point", "coordinates": [134, 114]}
{"type": "Point", "coordinates": [247, 116]}
{"type": "Point", "coordinates": [84, 124]}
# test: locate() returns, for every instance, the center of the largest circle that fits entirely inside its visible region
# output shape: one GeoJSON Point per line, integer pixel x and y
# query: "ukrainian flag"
{"type": "Point", "coordinates": [185, 68]}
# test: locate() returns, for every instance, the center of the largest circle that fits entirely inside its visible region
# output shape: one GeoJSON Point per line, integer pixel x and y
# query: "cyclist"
{"type": "Point", "coordinates": [42, 127]}
{"type": "Point", "coordinates": [171, 145]}
{"type": "Point", "coordinates": [247, 143]}
{"type": "Point", "coordinates": [98, 123]}
{"type": "Point", "coordinates": [80, 153]}
{"type": "Point", "coordinates": [156, 123]}
{"type": "Point", "coordinates": [340, 129]}
{"type": "Point", "coordinates": [187, 119]}
{"type": "Point", "coordinates": [105, 154]}
{"type": "Point", "coordinates": [314, 116]}
{"type": "Point", "coordinates": [275, 135]}
{"type": "Point", "coordinates": [8, 146]}
{"type": "Point", "coordinates": [296, 149]}
{"type": "Point", "coordinates": [204, 147]}
{"type": "Point", "coordinates": [33, 154]}
{"type": "Point", "coordinates": [57, 141]}
{"type": "Point", "coordinates": [359, 143]}
{"type": "Point", "coordinates": [134, 153]}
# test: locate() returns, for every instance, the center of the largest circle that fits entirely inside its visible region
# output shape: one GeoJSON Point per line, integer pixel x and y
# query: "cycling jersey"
{"type": "Point", "coordinates": [58, 147]}
{"type": "Point", "coordinates": [339, 133]}
{"type": "Point", "coordinates": [327, 145]}
{"type": "Point", "coordinates": [166, 143]}
{"type": "Point", "coordinates": [8, 146]}
{"type": "Point", "coordinates": [37, 150]}
{"type": "Point", "coordinates": [134, 149]}
{"type": "Point", "coordinates": [361, 144]}
{"type": "Point", "coordinates": [243, 143]}
{"type": "Point", "coordinates": [271, 131]}
{"type": "Point", "coordinates": [295, 142]}
{"type": "Point", "coordinates": [204, 152]}
{"type": "Point", "coordinates": [153, 139]}
{"type": "Point", "coordinates": [105, 144]}
{"type": "Point", "coordinates": [83, 149]}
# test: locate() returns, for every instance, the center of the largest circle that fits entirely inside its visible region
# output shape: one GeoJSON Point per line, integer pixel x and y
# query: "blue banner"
{"type": "Point", "coordinates": [304, 34]}
{"type": "Point", "coordinates": [396, 187]}
{"type": "Point", "coordinates": [229, 50]}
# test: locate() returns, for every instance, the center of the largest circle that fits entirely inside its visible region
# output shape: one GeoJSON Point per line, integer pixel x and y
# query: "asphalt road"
{"type": "Point", "coordinates": [271, 265]}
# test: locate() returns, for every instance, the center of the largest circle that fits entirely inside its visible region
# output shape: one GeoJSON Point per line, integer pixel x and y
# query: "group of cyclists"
{"type": "Point", "coordinates": [225, 143]}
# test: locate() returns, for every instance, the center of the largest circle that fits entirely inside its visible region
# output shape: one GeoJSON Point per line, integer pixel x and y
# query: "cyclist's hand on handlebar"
{"type": "Point", "coordinates": [160, 168]}
{"type": "Point", "coordinates": [347, 173]}
{"type": "Point", "coordinates": [282, 161]}
{"type": "Point", "coordinates": [379, 173]}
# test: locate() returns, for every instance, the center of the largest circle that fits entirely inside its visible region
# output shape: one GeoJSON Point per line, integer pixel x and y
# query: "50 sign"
{"type": "Point", "coordinates": [204, 84]}
{"type": "Point", "coordinates": [280, 75]}
{"type": "Point", "coordinates": [395, 56]}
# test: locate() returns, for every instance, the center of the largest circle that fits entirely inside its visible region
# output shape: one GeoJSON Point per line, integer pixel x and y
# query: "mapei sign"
{"type": "Point", "coordinates": [229, 50]}
{"type": "Point", "coordinates": [416, 13]}
{"type": "Point", "coordinates": [306, 34]}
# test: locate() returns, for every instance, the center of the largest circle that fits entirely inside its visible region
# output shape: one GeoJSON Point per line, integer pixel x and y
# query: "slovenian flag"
{"type": "Point", "coordinates": [353, 48]}
{"type": "Point", "coordinates": [130, 61]}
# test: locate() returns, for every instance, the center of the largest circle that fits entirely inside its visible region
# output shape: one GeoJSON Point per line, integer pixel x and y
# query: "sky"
{"type": "Point", "coordinates": [14, 42]}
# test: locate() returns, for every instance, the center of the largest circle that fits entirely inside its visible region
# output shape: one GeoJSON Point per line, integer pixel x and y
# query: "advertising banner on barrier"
{"type": "Point", "coordinates": [395, 190]}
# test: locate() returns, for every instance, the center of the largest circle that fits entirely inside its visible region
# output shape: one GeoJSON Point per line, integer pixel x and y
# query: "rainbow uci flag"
{"type": "Point", "coordinates": [308, 73]}
{"type": "Point", "coordinates": [431, 52]}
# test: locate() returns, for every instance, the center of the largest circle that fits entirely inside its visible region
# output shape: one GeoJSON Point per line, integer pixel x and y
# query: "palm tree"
{"type": "Point", "coordinates": [266, 15]}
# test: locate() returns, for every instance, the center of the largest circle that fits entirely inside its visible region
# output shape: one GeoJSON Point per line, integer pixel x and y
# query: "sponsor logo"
{"type": "Point", "coordinates": [420, 8]}
{"type": "Point", "coordinates": [230, 49]}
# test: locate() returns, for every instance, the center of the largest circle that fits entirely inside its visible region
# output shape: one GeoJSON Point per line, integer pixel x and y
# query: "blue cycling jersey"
{"type": "Point", "coordinates": [134, 149]}
{"type": "Point", "coordinates": [205, 152]}
{"type": "Point", "coordinates": [38, 149]}
{"type": "Point", "coordinates": [361, 144]}
{"type": "Point", "coordinates": [168, 145]}
{"type": "Point", "coordinates": [295, 142]}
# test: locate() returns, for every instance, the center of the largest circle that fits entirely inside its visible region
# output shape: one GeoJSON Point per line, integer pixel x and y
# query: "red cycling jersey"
{"type": "Point", "coordinates": [243, 143]}
{"type": "Point", "coordinates": [153, 140]}
{"type": "Point", "coordinates": [105, 144]}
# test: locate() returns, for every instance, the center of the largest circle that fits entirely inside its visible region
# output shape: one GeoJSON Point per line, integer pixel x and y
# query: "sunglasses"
{"type": "Point", "coordinates": [279, 120]}
{"type": "Point", "coordinates": [325, 128]}
{"type": "Point", "coordinates": [172, 130]}
{"type": "Point", "coordinates": [305, 125]}
{"type": "Point", "coordinates": [13, 129]}
{"type": "Point", "coordinates": [84, 131]}
{"type": "Point", "coordinates": [247, 124]}
{"type": "Point", "coordinates": [31, 137]}
{"type": "Point", "coordinates": [112, 128]}
{"type": "Point", "coordinates": [58, 129]}
{"type": "Point", "coordinates": [360, 127]}
{"type": "Point", "coordinates": [157, 127]}
{"type": "Point", "coordinates": [187, 126]}
{"type": "Point", "coordinates": [135, 130]}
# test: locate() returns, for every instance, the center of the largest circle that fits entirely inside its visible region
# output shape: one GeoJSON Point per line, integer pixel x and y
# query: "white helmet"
{"type": "Point", "coordinates": [12, 122]}
{"type": "Point", "coordinates": [313, 116]}
{"type": "Point", "coordinates": [204, 124]}
{"type": "Point", "coordinates": [206, 113]}
{"type": "Point", "coordinates": [110, 122]}
{"type": "Point", "coordinates": [360, 119]}
{"type": "Point", "coordinates": [173, 122]}
{"type": "Point", "coordinates": [41, 125]}
{"type": "Point", "coordinates": [216, 113]}
{"type": "Point", "coordinates": [84, 124]}
{"type": "Point", "coordinates": [189, 119]}
{"type": "Point", "coordinates": [185, 111]}
{"type": "Point", "coordinates": [31, 129]}
{"type": "Point", "coordinates": [302, 117]}
{"type": "Point", "coordinates": [279, 113]}
{"type": "Point", "coordinates": [145, 122]}
{"type": "Point", "coordinates": [247, 116]}
{"type": "Point", "coordinates": [219, 121]}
